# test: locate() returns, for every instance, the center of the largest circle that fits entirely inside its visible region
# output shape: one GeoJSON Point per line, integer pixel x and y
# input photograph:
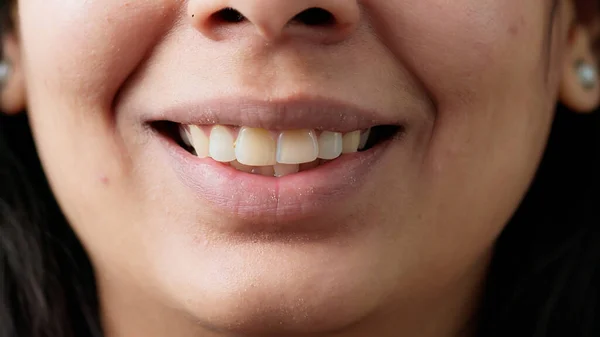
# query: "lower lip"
{"type": "Point", "coordinates": [268, 200]}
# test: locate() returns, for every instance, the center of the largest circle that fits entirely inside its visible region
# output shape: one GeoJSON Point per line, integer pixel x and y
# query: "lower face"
{"type": "Point", "coordinates": [465, 84]}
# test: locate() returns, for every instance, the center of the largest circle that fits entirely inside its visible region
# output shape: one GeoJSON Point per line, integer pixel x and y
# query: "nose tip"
{"type": "Point", "coordinates": [324, 20]}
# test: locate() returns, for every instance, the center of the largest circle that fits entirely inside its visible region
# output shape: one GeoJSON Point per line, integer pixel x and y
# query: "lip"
{"type": "Point", "coordinates": [275, 114]}
{"type": "Point", "coordinates": [269, 201]}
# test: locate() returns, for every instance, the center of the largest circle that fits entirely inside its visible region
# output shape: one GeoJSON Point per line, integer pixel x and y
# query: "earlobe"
{"type": "Point", "coordinates": [12, 79]}
{"type": "Point", "coordinates": [580, 84]}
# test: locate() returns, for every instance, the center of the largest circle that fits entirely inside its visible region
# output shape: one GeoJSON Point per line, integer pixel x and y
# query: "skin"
{"type": "Point", "coordinates": [482, 75]}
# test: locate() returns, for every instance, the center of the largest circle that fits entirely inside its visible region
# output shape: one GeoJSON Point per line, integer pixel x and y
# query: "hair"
{"type": "Point", "coordinates": [543, 280]}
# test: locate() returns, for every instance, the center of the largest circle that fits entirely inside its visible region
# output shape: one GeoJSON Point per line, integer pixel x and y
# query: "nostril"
{"type": "Point", "coordinates": [228, 15]}
{"type": "Point", "coordinates": [315, 17]}
{"type": "Point", "coordinates": [275, 20]}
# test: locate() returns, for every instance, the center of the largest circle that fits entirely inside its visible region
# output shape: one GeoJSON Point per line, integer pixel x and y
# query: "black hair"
{"type": "Point", "coordinates": [47, 286]}
{"type": "Point", "coordinates": [543, 281]}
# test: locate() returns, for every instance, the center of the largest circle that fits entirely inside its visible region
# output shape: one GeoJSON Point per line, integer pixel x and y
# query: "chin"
{"type": "Point", "coordinates": [275, 288]}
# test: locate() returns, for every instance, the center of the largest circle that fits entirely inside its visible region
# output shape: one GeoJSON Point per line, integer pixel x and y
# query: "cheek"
{"type": "Point", "coordinates": [484, 63]}
{"type": "Point", "coordinates": [86, 49]}
{"type": "Point", "coordinates": [492, 93]}
{"type": "Point", "coordinates": [459, 48]}
{"type": "Point", "coordinates": [77, 55]}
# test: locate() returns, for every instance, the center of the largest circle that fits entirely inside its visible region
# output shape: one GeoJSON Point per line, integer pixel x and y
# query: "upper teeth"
{"type": "Point", "coordinates": [259, 147]}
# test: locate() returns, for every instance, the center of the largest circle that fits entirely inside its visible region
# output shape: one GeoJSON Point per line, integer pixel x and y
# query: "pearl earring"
{"type": "Point", "coordinates": [4, 73]}
{"type": "Point", "coordinates": [587, 73]}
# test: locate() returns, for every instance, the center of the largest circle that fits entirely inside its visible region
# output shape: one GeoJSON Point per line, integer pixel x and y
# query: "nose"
{"type": "Point", "coordinates": [322, 20]}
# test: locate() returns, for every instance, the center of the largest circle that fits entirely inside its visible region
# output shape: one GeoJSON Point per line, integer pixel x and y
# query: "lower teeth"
{"type": "Point", "coordinates": [279, 170]}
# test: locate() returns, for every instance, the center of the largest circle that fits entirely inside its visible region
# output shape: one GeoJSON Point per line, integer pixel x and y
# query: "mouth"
{"type": "Point", "coordinates": [274, 164]}
{"type": "Point", "coordinates": [272, 153]}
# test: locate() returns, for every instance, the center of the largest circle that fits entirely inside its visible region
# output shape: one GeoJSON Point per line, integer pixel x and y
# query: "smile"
{"type": "Point", "coordinates": [277, 153]}
{"type": "Point", "coordinates": [274, 162]}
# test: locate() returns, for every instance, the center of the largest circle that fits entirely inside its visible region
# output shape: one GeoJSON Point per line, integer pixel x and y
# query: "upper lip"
{"type": "Point", "coordinates": [282, 114]}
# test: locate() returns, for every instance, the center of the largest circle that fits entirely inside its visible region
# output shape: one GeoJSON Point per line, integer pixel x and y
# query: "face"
{"type": "Point", "coordinates": [465, 90]}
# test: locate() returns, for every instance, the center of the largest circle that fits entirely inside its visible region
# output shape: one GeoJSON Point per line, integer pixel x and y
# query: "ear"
{"type": "Point", "coordinates": [580, 85]}
{"type": "Point", "coordinates": [12, 94]}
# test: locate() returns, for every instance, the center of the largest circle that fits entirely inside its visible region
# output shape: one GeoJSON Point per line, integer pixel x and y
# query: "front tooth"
{"type": "Point", "coordinates": [330, 145]}
{"type": "Point", "coordinates": [282, 170]}
{"type": "Point", "coordinates": [364, 138]}
{"type": "Point", "coordinates": [199, 141]}
{"type": "Point", "coordinates": [297, 147]}
{"type": "Point", "coordinates": [255, 147]}
{"type": "Point", "coordinates": [351, 142]}
{"type": "Point", "coordinates": [221, 146]}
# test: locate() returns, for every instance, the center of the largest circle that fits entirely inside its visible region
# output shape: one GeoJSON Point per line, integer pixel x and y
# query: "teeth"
{"type": "Point", "coordinates": [364, 138]}
{"type": "Point", "coordinates": [267, 171]}
{"type": "Point", "coordinates": [184, 133]}
{"type": "Point", "coordinates": [310, 166]}
{"type": "Point", "coordinates": [282, 170]}
{"type": "Point", "coordinates": [221, 147]}
{"type": "Point", "coordinates": [260, 151]}
{"type": "Point", "coordinates": [241, 167]}
{"type": "Point", "coordinates": [330, 145]}
{"type": "Point", "coordinates": [255, 147]}
{"type": "Point", "coordinates": [297, 147]}
{"type": "Point", "coordinates": [351, 142]}
{"type": "Point", "coordinates": [198, 140]}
